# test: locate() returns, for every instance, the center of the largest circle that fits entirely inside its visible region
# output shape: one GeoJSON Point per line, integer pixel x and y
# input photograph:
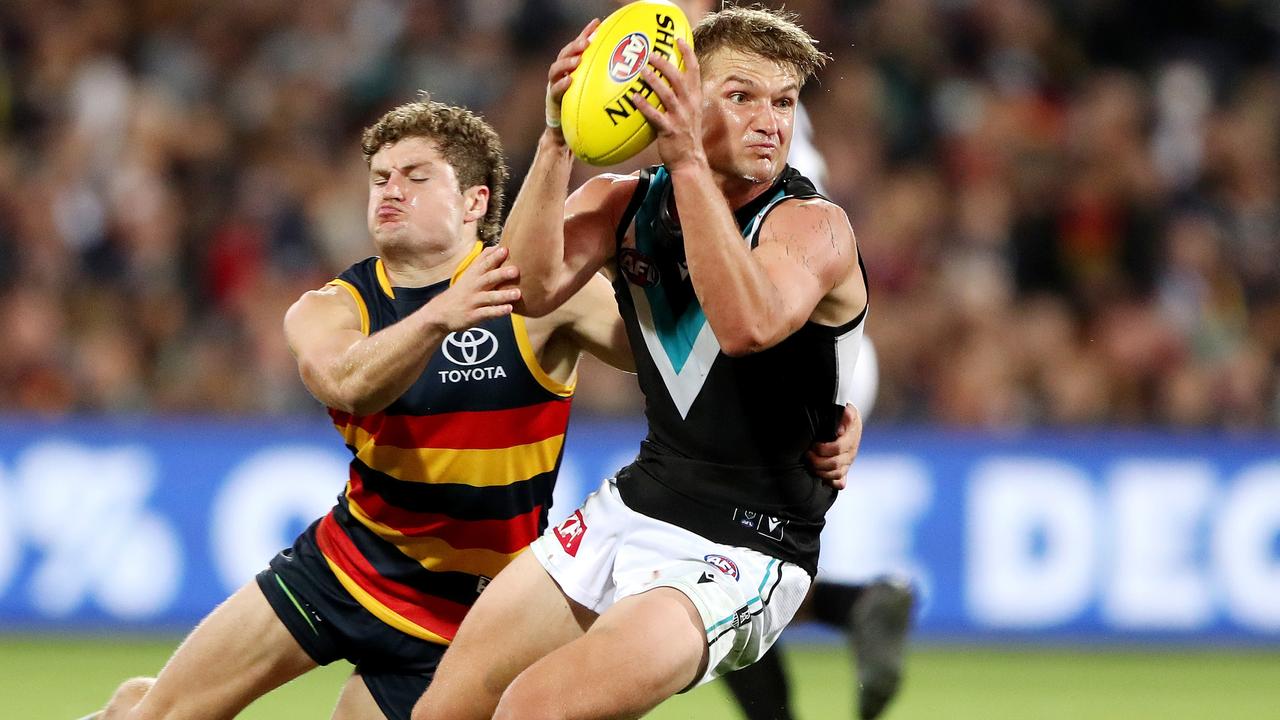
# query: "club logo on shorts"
{"type": "Point", "coordinates": [629, 55]}
{"type": "Point", "coordinates": [742, 617]}
{"type": "Point", "coordinates": [570, 532]}
{"type": "Point", "coordinates": [638, 268]}
{"type": "Point", "coordinates": [723, 564]}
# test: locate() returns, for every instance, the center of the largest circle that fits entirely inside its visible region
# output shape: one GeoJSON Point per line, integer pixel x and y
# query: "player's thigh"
{"type": "Point", "coordinates": [520, 617]}
{"type": "Point", "coordinates": [644, 649]}
{"type": "Point", "coordinates": [355, 702]}
{"type": "Point", "coordinates": [238, 653]}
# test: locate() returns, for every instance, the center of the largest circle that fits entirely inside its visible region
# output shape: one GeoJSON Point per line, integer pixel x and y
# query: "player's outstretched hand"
{"type": "Point", "coordinates": [679, 124]}
{"type": "Point", "coordinates": [831, 460]}
{"type": "Point", "coordinates": [478, 294]}
{"type": "Point", "coordinates": [558, 74]}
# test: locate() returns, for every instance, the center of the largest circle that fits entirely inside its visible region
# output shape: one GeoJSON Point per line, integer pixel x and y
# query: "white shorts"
{"type": "Point", "coordinates": [605, 551]}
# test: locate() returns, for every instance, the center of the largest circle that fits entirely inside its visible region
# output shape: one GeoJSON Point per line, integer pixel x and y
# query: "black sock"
{"type": "Point", "coordinates": [832, 602]}
{"type": "Point", "coordinates": [761, 689]}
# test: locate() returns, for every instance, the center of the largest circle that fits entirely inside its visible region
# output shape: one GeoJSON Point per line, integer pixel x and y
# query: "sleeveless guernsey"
{"type": "Point", "coordinates": [724, 456]}
{"type": "Point", "coordinates": [453, 479]}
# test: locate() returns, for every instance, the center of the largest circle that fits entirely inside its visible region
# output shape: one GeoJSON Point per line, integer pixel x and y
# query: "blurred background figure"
{"type": "Point", "coordinates": [1062, 225]}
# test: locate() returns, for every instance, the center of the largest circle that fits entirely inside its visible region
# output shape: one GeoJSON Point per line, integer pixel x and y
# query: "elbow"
{"type": "Point", "coordinates": [536, 300]}
{"type": "Point", "coordinates": [346, 395]}
{"type": "Point", "coordinates": [359, 398]}
{"type": "Point", "coordinates": [742, 343]}
{"type": "Point", "coordinates": [739, 349]}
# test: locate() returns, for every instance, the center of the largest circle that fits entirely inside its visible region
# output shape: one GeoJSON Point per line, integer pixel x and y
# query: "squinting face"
{"type": "Point", "coordinates": [749, 107]}
{"type": "Point", "coordinates": [414, 200]}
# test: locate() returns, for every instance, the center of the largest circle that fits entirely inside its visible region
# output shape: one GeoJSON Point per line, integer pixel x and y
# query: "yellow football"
{"type": "Point", "coordinates": [599, 119]}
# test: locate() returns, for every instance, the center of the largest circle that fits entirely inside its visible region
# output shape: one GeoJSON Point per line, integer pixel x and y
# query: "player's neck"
{"type": "Point", "coordinates": [738, 191]}
{"type": "Point", "coordinates": [419, 267]}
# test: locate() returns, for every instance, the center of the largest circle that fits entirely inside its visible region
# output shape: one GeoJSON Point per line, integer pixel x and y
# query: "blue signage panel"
{"type": "Point", "coordinates": [116, 525]}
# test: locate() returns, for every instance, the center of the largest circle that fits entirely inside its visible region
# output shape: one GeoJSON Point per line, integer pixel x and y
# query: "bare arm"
{"type": "Point", "coordinates": [594, 324]}
{"type": "Point", "coordinates": [347, 370]}
{"type": "Point", "coordinates": [752, 299]}
{"type": "Point", "coordinates": [559, 242]}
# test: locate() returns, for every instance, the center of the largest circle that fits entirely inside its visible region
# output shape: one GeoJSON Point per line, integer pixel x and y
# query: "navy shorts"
{"type": "Point", "coordinates": [330, 625]}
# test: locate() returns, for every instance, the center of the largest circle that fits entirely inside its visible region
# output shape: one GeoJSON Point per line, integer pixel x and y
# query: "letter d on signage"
{"type": "Point", "coordinates": [1032, 539]}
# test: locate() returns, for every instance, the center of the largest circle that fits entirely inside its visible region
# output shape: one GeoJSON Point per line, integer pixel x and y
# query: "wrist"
{"type": "Point", "coordinates": [553, 139]}
{"type": "Point", "coordinates": [692, 164]}
{"type": "Point", "coordinates": [433, 321]}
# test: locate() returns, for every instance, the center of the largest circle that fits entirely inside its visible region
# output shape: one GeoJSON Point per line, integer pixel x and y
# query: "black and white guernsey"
{"type": "Point", "coordinates": [724, 456]}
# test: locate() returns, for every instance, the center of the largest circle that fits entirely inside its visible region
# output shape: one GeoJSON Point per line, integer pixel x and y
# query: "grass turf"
{"type": "Point", "coordinates": [60, 678]}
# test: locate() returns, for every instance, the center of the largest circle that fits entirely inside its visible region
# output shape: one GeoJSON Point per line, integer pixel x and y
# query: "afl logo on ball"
{"type": "Point", "coordinates": [470, 347]}
{"type": "Point", "coordinates": [638, 268]}
{"type": "Point", "coordinates": [629, 55]}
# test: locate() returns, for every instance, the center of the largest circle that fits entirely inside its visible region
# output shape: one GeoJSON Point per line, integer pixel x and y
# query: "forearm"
{"type": "Point", "coordinates": [371, 373]}
{"type": "Point", "coordinates": [534, 232]}
{"type": "Point", "coordinates": [740, 300]}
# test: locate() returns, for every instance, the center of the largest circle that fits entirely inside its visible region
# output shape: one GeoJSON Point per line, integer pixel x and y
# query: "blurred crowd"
{"type": "Point", "coordinates": [1069, 209]}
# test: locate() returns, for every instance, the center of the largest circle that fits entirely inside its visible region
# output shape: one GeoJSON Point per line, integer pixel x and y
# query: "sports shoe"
{"type": "Point", "coordinates": [878, 626]}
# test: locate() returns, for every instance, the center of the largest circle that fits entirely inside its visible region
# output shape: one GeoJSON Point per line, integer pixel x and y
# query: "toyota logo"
{"type": "Point", "coordinates": [470, 347]}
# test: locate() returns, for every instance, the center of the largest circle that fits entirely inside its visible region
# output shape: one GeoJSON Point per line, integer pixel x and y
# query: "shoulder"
{"type": "Point", "coordinates": [815, 226]}
{"type": "Point", "coordinates": [809, 217]}
{"type": "Point", "coordinates": [336, 303]}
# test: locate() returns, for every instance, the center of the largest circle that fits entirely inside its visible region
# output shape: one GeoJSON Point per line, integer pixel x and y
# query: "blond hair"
{"type": "Point", "coordinates": [771, 34]}
{"type": "Point", "coordinates": [464, 140]}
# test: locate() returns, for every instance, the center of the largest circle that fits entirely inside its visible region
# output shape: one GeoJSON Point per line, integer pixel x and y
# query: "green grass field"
{"type": "Point", "coordinates": [61, 678]}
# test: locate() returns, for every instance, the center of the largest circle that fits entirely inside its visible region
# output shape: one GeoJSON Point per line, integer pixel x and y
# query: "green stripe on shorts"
{"type": "Point", "coordinates": [305, 615]}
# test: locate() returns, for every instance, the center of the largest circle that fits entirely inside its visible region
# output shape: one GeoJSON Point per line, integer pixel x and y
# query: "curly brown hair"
{"type": "Point", "coordinates": [465, 141]}
{"type": "Point", "coordinates": [771, 34]}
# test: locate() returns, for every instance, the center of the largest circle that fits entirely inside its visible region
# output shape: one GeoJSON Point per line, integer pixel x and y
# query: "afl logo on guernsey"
{"type": "Point", "coordinates": [629, 55]}
{"type": "Point", "coordinates": [638, 268]}
{"type": "Point", "coordinates": [470, 347]}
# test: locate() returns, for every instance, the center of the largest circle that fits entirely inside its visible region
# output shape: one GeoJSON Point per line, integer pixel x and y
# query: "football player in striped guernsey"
{"type": "Point", "coordinates": [455, 411]}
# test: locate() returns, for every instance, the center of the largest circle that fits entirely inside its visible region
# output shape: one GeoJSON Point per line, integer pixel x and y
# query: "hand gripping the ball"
{"type": "Point", "coordinates": [481, 292]}
{"type": "Point", "coordinates": [679, 124]}
{"type": "Point", "coordinates": [558, 76]}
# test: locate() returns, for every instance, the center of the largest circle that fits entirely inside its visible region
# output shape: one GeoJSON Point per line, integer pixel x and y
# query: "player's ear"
{"type": "Point", "coordinates": [475, 203]}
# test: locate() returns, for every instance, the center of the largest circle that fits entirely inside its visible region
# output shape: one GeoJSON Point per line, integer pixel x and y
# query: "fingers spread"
{"type": "Point", "coordinates": [691, 65]}
{"type": "Point", "coordinates": [660, 88]}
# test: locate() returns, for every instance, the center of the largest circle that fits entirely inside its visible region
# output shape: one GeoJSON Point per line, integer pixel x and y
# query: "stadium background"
{"type": "Point", "coordinates": [1070, 216]}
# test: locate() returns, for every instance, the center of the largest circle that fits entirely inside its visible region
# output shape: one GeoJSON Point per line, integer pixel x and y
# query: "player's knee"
{"type": "Point", "coordinates": [126, 697]}
{"type": "Point", "coordinates": [429, 708]}
{"type": "Point", "coordinates": [422, 711]}
{"type": "Point", "coordinates": [527, 699]}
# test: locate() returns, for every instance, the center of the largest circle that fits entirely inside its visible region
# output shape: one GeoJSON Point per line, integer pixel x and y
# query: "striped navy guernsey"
{"type": "Point", "coordinates": [724, 456]}
{"type": "Point", "coordinates": [453, 479]}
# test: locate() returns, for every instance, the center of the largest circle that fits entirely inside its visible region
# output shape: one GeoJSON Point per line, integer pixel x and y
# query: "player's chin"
{"type": "Point", "coordinates": [760, 169]}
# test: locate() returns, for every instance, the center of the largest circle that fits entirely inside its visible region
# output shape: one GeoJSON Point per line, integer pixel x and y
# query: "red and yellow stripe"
{"type": "Point", "coordinates": [479, 449]}
{"type": "Point", "coordinates": [408, 610]}
{"type": "Point", "coordinates": [499, 536]}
